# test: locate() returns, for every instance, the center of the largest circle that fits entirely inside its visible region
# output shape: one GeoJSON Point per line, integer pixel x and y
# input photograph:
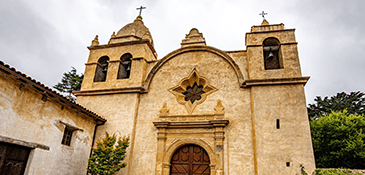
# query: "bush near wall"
{"type": "Point", "coordinates": [339, 171]}
{"type": "Point", "coordinates": [333, 171]}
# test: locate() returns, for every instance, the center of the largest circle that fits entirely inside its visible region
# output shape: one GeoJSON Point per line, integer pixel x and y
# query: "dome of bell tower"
{"type": "Point", "coordinates": [132, 32]}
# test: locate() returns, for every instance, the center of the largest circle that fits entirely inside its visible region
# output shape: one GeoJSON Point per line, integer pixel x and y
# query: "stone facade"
{"type": "Point", "coordinates": [34, 117]}
{"type": "Point", "coordinates": [250, 118]}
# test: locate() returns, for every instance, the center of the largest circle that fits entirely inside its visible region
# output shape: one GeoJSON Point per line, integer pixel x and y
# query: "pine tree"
{"type": "Point", "coordinates": [71, 81]}
{"type": "Point", "coordinates": [354, 103]}
{"type": "Point", "coordinates": [107, 159]}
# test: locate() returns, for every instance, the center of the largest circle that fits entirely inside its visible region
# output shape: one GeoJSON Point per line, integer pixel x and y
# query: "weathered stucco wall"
{"type": "Point", "coordinates": [292, 141]}
{"type": "Point", "coordinates": [118, 109]}
{"type": "Point", "coordinates": [238, 148]}
{"type": "Point", "coordinates": [24, 116]}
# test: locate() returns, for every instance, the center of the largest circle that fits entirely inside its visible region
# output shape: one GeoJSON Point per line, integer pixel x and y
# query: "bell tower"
{"type": "Point", "coordinates": [120, 65]}
{"type": "Point", "coordinates": [113, 79]}
{"type": "Point", "coordinates": [279, 116]}
{"type": "Point", "coordinates": [272, 52]}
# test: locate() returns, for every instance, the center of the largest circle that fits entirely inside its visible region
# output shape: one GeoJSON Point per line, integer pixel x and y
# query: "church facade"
{"type": "Point", "coordinates": [201, 110]}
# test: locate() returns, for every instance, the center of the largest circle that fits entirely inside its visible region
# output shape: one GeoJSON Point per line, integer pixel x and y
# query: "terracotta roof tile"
{"type": "Point", "coordinates": [25, 78]}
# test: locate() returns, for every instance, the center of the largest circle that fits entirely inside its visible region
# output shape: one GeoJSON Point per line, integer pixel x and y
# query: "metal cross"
{"type": "Point", "coordinates": [263, 14]}
{"type": "Point", "coordinates": [140, 10]}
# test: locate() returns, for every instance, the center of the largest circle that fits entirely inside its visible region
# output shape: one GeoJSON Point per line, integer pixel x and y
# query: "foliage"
{"type": "Point", "coordinates": [107, 159]}
{"type": "Point", "coordinates": [71, 81]}
{"type": "Point", "coordinates": [338, 140]}
{"type": "Point", "coordinates": [302, 170]}
{"type": "Point", "coordinates": [335, 172]}
{"type": "Point", "coordinates": [329, 171]}
{"type": "Point", "coordinates": [354, 102]}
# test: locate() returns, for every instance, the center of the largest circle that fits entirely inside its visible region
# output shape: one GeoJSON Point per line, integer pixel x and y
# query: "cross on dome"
{"type": "Point", "coordinates": [140, 10]}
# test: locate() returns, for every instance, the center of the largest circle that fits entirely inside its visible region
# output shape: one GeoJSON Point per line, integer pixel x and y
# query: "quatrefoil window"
{"type": "Point", "coordinates": [193, 93]}
{"type": "Point", "coordinates": [192, 90]}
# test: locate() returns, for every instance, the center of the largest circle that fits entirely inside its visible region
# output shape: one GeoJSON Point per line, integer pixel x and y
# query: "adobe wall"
{"type": "Point", "coordinates": [24, 116]}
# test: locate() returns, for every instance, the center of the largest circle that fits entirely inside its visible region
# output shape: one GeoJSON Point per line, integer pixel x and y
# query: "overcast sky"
{"type": "Point", "coordinates": [44, 38]}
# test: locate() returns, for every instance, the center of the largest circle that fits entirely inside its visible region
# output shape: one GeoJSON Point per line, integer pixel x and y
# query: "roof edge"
{"type": "Point", "coordinates": [38, 86]}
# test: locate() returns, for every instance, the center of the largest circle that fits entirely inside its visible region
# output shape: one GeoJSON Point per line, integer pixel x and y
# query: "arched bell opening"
{"type": "Point", "coordinates": [272, 54]}
{"type": "Point", "coordinates": [125, 66]}
{"type": "Point", "coordinates": [190, 159]}
{"type": "Point", "coordinates": [101, 69]}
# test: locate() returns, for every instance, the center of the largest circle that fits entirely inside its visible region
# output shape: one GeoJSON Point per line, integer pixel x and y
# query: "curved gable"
{"type": "Point", "coordinates": [183, 50]}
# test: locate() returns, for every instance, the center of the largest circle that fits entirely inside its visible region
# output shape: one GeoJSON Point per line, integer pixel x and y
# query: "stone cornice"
{"type": "Point", "coordinates": [289, 43]}
{"type": "Point", "coordinates": [192, 124]}
{"type": "Point", "coordinates": [145, 41]}
{"type": "Point", "coordinates": [271, 31]}
{"type": "Point", "coordinates": [275, 81]}
{"type": "Point", "coordinates": [109, 91]}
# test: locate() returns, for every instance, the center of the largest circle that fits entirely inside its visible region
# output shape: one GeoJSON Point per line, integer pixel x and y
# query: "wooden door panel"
{"type": "Point", "coordinates": [13, 159]}
{"type": "Point", "coordinates": [190, 160]}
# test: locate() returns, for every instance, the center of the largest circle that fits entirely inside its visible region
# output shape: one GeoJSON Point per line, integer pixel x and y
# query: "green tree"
{"type": "Point", "coordinates": [338, 140]}
{"type": "Point", "coordinates": [107, 158]}
{"type": "Point", "coordinates": [353, 102]}
{"type": "Point", "coordinates": [71, 81]}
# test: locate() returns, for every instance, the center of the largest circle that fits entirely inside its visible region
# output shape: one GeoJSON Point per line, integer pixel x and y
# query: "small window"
{"type": "Point", "coordinates": [277, 124]}
{"type": "Point", "coordinates": [288, 164]}
{"type": "Point", "coordinates": [125, 66]}
{"type": "Point", "coordinates": [101, 69]}
{"type": "Point", "coordinates": [67, 135]}
{"type": "Point", "coordinates": [272, 55]}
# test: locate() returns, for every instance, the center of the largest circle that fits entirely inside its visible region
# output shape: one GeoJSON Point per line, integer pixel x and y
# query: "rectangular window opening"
{"type": "Point", "coordinates": [288, 164]}
{"type": "Point", "coordinates": [277, 123]}
{"type": "Point", "coordinates": [67, 135]}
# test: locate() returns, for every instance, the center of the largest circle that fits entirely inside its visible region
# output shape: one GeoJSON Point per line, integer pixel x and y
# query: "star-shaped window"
{"type": "Point", "coordinates": [193, 93]}
{"type": "Point", "coordinates": [192, 90]}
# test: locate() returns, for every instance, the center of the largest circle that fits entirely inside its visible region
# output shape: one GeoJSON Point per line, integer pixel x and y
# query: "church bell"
{"type": "Point", "coordinates": [271, 55]}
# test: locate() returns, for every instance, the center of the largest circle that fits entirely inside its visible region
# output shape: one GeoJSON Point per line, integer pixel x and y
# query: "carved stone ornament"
{"type": "Point", "coordinates": [219, 109]}
{"type": "Point", "coordinates": [164, 111]}
{"type": "Point", "coordinates": [192, 90]}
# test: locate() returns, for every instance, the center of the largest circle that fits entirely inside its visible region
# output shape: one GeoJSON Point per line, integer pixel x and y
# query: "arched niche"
{"type": "Point", "coordinates": [101, 69]}
{"type": "Point", "coordinates": [272, 54]}
{"type": "Point", "coordinates": [125, 66]}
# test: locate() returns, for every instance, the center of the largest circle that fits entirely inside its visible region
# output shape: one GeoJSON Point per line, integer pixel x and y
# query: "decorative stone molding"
{"type": "Point", "coordinates": [275, 81]}
{"type": "Point", "coordinates": [164, 111]}
{"type": "Point", "coordinates": [204, 130]}
{"type": "Point", "coordinates": [195, 48]}
{"type": "Point", "coordinates": [192, 81]}
{"type": "Point", "coordinates": [193, 38]}
{"type": "Point", "coordinates": [95, 42]}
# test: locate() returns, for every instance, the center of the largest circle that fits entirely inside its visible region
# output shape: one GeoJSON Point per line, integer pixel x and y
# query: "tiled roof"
{"type": "Point", "coordinates": [50, 92]}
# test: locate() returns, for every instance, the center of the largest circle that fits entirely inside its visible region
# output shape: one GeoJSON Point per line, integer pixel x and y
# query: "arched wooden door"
{"type": "Point", "coordinates": [190, 160]}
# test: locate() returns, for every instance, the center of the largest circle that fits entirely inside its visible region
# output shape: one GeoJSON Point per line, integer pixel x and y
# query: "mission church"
{"type": "Point", "coordinates": [198, 110]}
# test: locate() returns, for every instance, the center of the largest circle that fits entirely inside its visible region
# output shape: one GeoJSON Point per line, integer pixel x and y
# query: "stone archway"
{"type": "Point", "coordinates": [190, 160]}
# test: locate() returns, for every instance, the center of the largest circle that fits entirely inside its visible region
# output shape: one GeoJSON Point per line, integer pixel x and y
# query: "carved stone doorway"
{"type": "Point", "coordinates": [190, 160]}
